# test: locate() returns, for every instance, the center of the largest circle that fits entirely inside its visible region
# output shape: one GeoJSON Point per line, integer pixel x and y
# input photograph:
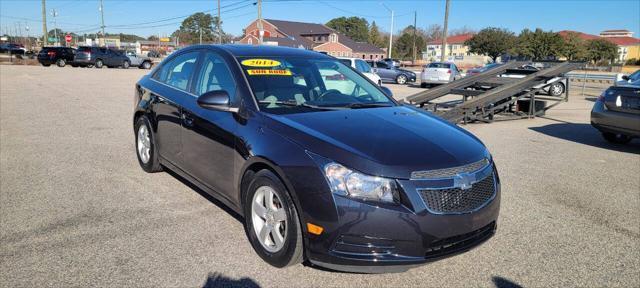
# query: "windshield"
{"type": "Point", "coordinates": [297, 85]}
{"type": "Point", "coordinates": [635, 76]}
{"type": "Point", "coordinates": [439, 65]}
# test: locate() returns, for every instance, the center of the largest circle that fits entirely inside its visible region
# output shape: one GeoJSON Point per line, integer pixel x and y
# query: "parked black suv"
{"type": "Point", "coordinates": [99, 56]}
{"type": "Point", "coordinates": [60, 56]}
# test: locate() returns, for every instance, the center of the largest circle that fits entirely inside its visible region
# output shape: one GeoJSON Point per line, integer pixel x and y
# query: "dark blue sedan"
{"type": "Point", "coordinates": [324, 165]}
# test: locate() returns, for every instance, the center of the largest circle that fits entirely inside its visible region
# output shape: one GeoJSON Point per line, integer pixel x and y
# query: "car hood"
{"type": "Point", "coordinates": [389, 141]}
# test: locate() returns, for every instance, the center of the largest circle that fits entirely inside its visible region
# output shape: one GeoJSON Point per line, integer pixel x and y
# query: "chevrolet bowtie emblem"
{"type": "Point", "coordinates": [463, 180]}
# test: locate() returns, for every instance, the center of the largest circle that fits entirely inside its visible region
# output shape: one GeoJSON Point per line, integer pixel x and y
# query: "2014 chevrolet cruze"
{"type": "Point", "coordinates": [324, 165]}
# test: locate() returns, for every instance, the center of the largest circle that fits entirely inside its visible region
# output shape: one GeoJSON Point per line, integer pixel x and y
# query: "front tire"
{"type": "Point", "coordinates": [616, 138]}
{"type": "Point", "coordinates": [145, 146]}
{"type": "Point", "coordinates": [271, 221]}
{"type": "Point", "coordinates": [61, 63]}
{"type": "Point", "coordinates": [146, 65]}
{"type": "Point", "coordinates": [99, 63]}
{"type": "Point", "coordinates": [423, 85]}
{"type": "Point", "coordinates": [125, 65]}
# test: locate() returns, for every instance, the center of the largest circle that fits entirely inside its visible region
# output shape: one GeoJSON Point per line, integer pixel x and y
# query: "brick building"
{"type": "Point", "coordinates": [309, 36]}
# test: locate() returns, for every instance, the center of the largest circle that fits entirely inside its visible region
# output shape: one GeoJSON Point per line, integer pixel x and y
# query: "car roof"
{"type": "Point", "coordinates": [264, 51]}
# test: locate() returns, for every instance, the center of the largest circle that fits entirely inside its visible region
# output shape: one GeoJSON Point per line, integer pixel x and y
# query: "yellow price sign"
{"type": "Point", "coordinates": [269, 72]}
{"type": "Point", "coordinates": [260, 63]}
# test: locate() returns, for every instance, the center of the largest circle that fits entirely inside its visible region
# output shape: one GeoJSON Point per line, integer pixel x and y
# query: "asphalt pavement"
{"type": "Point", "coordinates": [77, 210]}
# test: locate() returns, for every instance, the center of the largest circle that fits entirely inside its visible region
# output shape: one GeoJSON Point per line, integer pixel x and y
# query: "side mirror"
{"type": "Point", "coordinates": [216, 100]}
{"type": "Point", "coordinates": [387, 91]}
{"type": "Point", "coordinates": [625, 77]}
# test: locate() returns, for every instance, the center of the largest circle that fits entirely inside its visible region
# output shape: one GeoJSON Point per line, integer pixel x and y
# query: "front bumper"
{"type": "Point", "coordinates": [615, 122]}
{"type": "Point", "coordinates": [381, 238]}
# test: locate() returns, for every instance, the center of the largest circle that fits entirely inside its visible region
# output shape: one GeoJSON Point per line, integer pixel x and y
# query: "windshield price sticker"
{"type": "Point", "coordinates": [269, 72]}
{"type": "Point", "coordinates": [260, 63]}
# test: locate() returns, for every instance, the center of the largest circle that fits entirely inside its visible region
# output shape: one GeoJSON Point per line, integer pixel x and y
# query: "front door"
{"type": "Point", "coordinates": [208, 136]}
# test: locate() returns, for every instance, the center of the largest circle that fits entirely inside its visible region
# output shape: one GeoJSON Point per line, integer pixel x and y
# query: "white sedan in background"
{"type": "Point", "coordinates": [362, 67]}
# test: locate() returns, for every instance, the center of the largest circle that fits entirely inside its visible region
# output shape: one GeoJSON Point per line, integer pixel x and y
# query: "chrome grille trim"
{"type": "Point", "coordinates": [449, 172]}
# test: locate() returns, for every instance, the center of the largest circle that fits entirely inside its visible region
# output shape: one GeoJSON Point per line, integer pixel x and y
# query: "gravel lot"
{"type": "Point", "coordinates": [76, 209]}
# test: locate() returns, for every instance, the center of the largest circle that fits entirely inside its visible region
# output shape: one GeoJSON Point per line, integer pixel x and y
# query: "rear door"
{"type": "Point", "coordinates": [169, 92]}
{"type": "Point", "coordinates": [384, 71]}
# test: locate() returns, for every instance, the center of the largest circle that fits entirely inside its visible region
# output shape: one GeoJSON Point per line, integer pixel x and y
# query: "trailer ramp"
{"type": "Point", "coordinates": [497, 92]}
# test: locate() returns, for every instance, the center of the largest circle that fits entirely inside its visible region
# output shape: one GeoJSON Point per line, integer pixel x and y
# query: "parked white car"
{"type": "Point", "coordinates": [362, 67]}
{"type": "Point", "coordinates": [439, 73]}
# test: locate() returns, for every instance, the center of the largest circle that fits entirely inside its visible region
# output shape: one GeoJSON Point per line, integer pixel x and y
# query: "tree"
{"type": "Point", "coordinates": [152, 38]}
{"type": "Point", "coordinates": [354, 27]}
{"type": "Point", "coordinates": [53, 32]}
{"type": "Point", "coordinates": [192, 26]}
{"type": "Point", "coordinates": [491, 42]}
{"type": "Point", "coordinates": [403, 46]}
{"type": "Point", "coordinates": [573, 47]}
{"type": "Point", "coordinates": [601, 50]}
{"type": "Point", "coordinates": [375, 37]}
{"type": "Point", "coordinates": [539, 45]}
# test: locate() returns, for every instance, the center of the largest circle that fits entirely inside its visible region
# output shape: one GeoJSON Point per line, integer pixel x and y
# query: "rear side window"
{"type": "Point", "coordinates": [363, 66]}
{"type": "Point", "coordinates": [215, 75]}
{"type": "Point", "coordinates": [439, 65]}
{"type": "Point", "coordinates": [177, 72]}
{"type": "Point", "coordinates": [382, 65]}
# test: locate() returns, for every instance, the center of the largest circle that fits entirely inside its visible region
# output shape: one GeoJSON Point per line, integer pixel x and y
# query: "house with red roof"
{"type": "Point", "coordinates": [628, 46]}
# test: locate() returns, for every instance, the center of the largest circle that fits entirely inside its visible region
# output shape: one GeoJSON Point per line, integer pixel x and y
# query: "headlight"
{"type": "Point", "coordinates": [344, 181]}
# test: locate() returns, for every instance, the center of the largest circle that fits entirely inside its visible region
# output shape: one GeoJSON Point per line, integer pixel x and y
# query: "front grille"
{"type": "Point", "coordinates": [450, 172]}
{"type": "Point", "coordinates": [456, 200]}
{"type": "Point", "coordinates": [460, 243]}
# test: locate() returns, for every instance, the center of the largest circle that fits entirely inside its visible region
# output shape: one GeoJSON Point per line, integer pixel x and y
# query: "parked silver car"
{"type": "Point", "coordinates": [139, 61]}
{"type": "Point", "coordinates": [439, 73]}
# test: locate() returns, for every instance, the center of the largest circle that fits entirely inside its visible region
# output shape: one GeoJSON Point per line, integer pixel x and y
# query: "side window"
{"type": "Point", "coordinates": [363, 66]}
{"type": "Point", "coordinates": [178, 71]}
{"type": "Point", "coordinates": [382, 65]}
{"type": "Point", "coordinates": [215, 75]}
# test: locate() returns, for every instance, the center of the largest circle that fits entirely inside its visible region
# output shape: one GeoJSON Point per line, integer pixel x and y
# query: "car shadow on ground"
{"type": "Point", "coordinates": [501, 282]}
{"type": "Point", "coordinates": [219, 280]}
{"type": "Point", "coordinates": [205, 195]}
{"type": "Point", "coordinates": [585, 134]}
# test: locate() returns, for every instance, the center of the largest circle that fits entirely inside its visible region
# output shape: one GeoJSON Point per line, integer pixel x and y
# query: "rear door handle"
{"type": "Point", "coordinates": [187, 119]}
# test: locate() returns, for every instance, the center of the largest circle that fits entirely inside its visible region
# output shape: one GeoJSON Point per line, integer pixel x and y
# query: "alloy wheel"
{"type": "Point", "coordinates": [144, 144]}
{"type": "Point", "coordinates": [269, 219]}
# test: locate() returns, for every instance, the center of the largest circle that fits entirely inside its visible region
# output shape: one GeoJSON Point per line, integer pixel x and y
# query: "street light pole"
{"type": "Point", "coordinates": [44, 24]}
{"type": "Point", "coordinates": [444, 32]}
{"type": "Point", "coordinates": [260, 28]}
{"type": "Point", "coordinates": [54, 13]}
{"type": "Point", "coordinates": [219, 28]}
{"type": "Point", "coordinates": [104, 36]}
{"type": "Point", "coordinates": [390, 31]}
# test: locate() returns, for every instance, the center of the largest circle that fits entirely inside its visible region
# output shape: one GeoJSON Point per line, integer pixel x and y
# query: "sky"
{"type": "Point", "coordinates": [162, 17]}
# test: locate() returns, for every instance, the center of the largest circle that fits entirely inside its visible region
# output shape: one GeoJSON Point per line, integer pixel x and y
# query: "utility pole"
{"type": "Point", "coordinates": [390, 31]}
{"type": "Point", "coordinates": [54, 13]}
{"type": "Point", "coordinates": [26, 28]}
{"type": "Point", "coordinates": [444, 32]}
{"type": "Point", "coordinates": [219, 28]}
{"type": "Point", "coordinates": [415, 17]}
{"type": "Point", "coordinates": [102, 19]}
{"type": "Point", "coordinates": [44, 23]}
{"type": "Point", "coordinates": [260, 28]}
{"type": "Point", "coordinates": [200, 35]}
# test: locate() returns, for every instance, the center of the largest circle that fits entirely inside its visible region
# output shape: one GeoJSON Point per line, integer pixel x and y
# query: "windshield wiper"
{"type": "Point", "coordinates": [293, 103]}
{"type": "Point", "coordinates": [367, 105]}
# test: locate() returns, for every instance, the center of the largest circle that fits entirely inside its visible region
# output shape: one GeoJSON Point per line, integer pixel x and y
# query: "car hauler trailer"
{"type": "Point", "coordinates": [504, 92]}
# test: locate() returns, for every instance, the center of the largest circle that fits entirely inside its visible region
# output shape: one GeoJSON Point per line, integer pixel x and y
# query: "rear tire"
{"type": "Point", "coordinates": [99, 63]}
{"type": "Point", "coordinates": [125, 65]}
{"type": "Point", "coordinates": [290, 251]}
{"type": "Point", "coordinates": [556, 89]}
{"type": "Point", "coordinates": [423, 85]}
{"type": "Point", "coordinates": [616, 138]}
{"type": "Point", "coordinates": [146, 146]}
{"type": "Point", "coordinates": [61, 62]}
{"type": "Point", "coordinates": [401, 79]}
{"type": "Point", "coordinates": [145, 65]}
{"type": "Point", "coordinates": [46, 65]}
